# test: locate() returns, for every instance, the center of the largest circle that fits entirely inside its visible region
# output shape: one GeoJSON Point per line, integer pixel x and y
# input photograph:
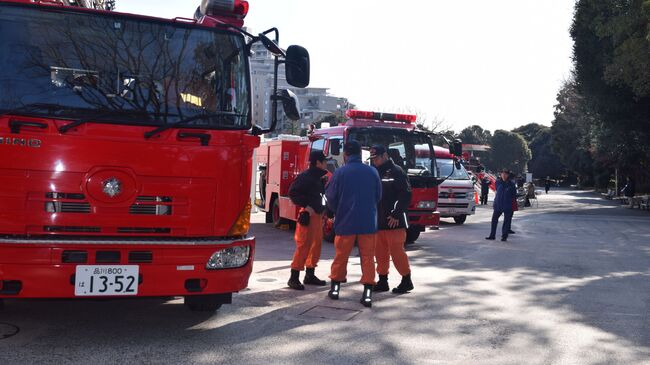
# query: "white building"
{"type": "Point", "coordinates": [315, 103]}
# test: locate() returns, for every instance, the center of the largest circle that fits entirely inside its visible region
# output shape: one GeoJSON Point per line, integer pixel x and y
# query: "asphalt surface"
{"type": "Point", "coordinates": [571, 287]}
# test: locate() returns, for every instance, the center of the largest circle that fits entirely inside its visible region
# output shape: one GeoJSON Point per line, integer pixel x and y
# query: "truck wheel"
{"type": "Point", "coordinates": [412, 234]}
{"type": "Point", "coordinates": [275, 214]}
{"type": "Point", "coordinates": [460, 219]}
{"type": "Point", "coordinates": [203, 303]}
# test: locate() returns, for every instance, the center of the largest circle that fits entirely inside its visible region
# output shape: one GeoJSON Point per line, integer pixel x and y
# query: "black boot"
{"type": "Point", "coordinates": [405, 286]}
{"type": "Point", "coordinates": [511, 232]}
{"type": "Point", "coordinates": [294, 280]}
{"type": "Point", "coordinates": [312, 279]}
{"type": "Point", "coordinates": [382, 284]}
{"type": "Point", "coordinates": [334, 290]}
{"type": "Point", "coordinates": [366, 298]}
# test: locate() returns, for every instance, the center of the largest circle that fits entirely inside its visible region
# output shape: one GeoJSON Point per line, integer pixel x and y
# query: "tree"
{"type": "Point", "coordinates": [509, 150]}
{"type": "Point", "coordinates": [571, 133]}
{"type": "Point", "coordinates": [475, 135]}
{"type": "Point", "coordinates": [612, 58]}
{"type": "Point", "coordinates": [529, 131]}
{"type": "Point", "coordinates": [544, 161]}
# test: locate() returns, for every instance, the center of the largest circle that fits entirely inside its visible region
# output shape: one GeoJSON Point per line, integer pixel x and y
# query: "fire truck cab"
{"type": "Point", "coordinates": [126, 147]}
{"type": "Point", "coordinates": [282, 159]}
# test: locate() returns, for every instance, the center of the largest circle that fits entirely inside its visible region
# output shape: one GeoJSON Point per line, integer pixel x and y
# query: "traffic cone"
{"type": "Point", "coordinates": [476, 196]}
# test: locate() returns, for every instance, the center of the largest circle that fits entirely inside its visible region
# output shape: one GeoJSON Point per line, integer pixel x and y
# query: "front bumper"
{"type": "Point", "coordinates": [424, 218]}
{"type": "Point", "coordinates": [41, 269]}
{"type": "Point", "coordinates": [456, 207]}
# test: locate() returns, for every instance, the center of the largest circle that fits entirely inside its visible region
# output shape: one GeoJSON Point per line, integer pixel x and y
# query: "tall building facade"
{"type": "Point", "coordinates": [315, 103]}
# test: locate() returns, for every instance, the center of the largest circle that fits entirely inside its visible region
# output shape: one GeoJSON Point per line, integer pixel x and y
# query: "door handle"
{"type": "Point", "coordinates": [204, 137]}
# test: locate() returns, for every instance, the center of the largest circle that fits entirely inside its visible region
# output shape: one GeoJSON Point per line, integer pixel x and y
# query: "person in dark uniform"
{"type": "Point", "coordinates": [307, 191]}
{"type": "Point", "coordinates": [547, 184]}
{"type": "Point", "coordinates": [391, 221]}
{"type": "Point", "coordinates": [504, 200]}
{"type": "Point", "coordinates": [485, 190]}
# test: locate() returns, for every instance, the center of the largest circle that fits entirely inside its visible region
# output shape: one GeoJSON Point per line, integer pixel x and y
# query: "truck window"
{"type": "Point", "coordinates": [318, 145]}
{"type": "Point", "coordinates": [334, 161]}
{"type": "Point", "coordinates": [147, 72]}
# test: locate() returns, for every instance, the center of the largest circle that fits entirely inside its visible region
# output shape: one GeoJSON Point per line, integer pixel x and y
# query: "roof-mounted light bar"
{"type": "Point", "coordinates": [360, 114]}
{"type": "Point", "coordinates": [230, 8]}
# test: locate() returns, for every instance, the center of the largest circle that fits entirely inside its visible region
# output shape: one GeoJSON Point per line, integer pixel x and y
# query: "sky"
{"type": "Point", "coordinates": [498, 64]}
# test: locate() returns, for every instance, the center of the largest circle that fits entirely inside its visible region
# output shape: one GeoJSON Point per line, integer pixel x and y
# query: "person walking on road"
{"type": "Point", "coordinates": [306, 192]}
{"type": "Point", "coordinates": [503, 205]}
{"type": "Point", "coordinates": [353, 194]}
{"type": "Point", "coordinates": [547, 184]}
{"type": "Point", "coordinates": [485, 190]}
{"type": "Point", "coordinates": [391, 212]}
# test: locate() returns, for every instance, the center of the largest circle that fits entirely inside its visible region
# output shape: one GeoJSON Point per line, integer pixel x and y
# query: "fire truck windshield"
{"type": "Point", "coordinates": [83, 65]}
{"type": "Point", "coordinates": [411, 151]}
{"type": "Point", "coordinates": [447, 168]}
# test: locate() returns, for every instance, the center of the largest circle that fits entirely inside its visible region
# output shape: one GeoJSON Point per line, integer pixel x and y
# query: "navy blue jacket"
{"type": "Point", "coordinates": [506, 193]}
{"type": "Point", "coordinates": [352, 194]}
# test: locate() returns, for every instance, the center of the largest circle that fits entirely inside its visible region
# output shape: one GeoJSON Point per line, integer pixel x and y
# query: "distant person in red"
{"type": "Point", "coordinates": [307, 193]}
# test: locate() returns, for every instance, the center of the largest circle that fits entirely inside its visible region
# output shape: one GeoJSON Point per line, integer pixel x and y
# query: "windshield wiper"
{"type": "Point", "coordinates": [101, 115]}
{"type": "Point", "coordinates": [186, 121]}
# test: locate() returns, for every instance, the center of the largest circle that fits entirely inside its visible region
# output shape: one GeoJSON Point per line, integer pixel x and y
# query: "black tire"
{"type": "Point", "coordinates": [275, 214]}
{"type": "Point", "coordinates": [460, 219]}
{"type": "Point", "coordinates": [203, 303]}
{"type": "Point", "coordinates": [412, 234]}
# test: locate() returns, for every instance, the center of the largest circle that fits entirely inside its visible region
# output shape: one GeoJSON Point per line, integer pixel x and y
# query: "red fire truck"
{"type": "Point", "coordinates": [282, 159]}
{"type": "Point", "coordinates": [126, 147]}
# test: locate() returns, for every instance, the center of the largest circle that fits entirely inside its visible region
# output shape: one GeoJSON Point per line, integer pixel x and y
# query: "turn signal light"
{"type": "Point", "coordinates": [243, 222]}
{"type": "Point", "coordinates": [360, 114]}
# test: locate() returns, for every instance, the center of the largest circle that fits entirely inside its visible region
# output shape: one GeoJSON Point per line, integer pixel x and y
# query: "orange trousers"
{"type": "Point", "coordinates": [309, 240]}
{"type": "Point", "coordinates": [343, 246]}
{"type": "Point", "coordinates": [390, 244]}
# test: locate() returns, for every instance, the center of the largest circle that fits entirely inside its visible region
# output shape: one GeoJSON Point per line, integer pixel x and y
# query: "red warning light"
{"type": "Point", "coordinates": [360, 114]}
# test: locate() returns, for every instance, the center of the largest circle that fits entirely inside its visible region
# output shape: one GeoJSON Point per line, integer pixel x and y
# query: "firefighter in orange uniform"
{"type": "Point", "coordinates": [307, 191]}
{"type": "Point", "coordinates": [353, 194]}
{"type": "Point", "coordinates": [391, 212]}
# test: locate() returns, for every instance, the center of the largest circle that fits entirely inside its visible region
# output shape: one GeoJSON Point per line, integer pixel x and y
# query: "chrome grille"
{"type": "Point", "coordinates": [60, 203]}
{"type": "Point", "coordinates": [152, 205]}
{"type": "Point", "coordinates": [452, 205]}
{"type": "Point", "coordinates": [445, 195]}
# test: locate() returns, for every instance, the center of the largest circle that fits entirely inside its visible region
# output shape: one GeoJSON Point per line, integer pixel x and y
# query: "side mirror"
{"type": "Point", "coordinates": [290, 104]}
{"type": "Point", "coordinates": [335, 147]}
{"type": "Point", "coordinates": [297, 66]}
{"type": "Point", "coordinates": [457, 163]}
{"type": "Point", "coordinates": [456, 147]}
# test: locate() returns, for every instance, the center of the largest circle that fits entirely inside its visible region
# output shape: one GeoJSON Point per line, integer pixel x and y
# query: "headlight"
{"type": "Point", "coordinates": [471, 195]}
{"type": "Point", "coordinates": [229, 258]}
{"type": "Point", "coordinates": [427, 205]}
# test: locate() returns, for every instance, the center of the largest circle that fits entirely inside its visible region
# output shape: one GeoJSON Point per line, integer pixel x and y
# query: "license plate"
{"type": "Point", "coordinates": [452, 210]}
{"type": "Point", "coordinates": [97, 280]}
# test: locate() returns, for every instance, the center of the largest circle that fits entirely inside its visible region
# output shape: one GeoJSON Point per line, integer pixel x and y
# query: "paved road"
{"type": "Point", "coordinates": [571, 287]}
